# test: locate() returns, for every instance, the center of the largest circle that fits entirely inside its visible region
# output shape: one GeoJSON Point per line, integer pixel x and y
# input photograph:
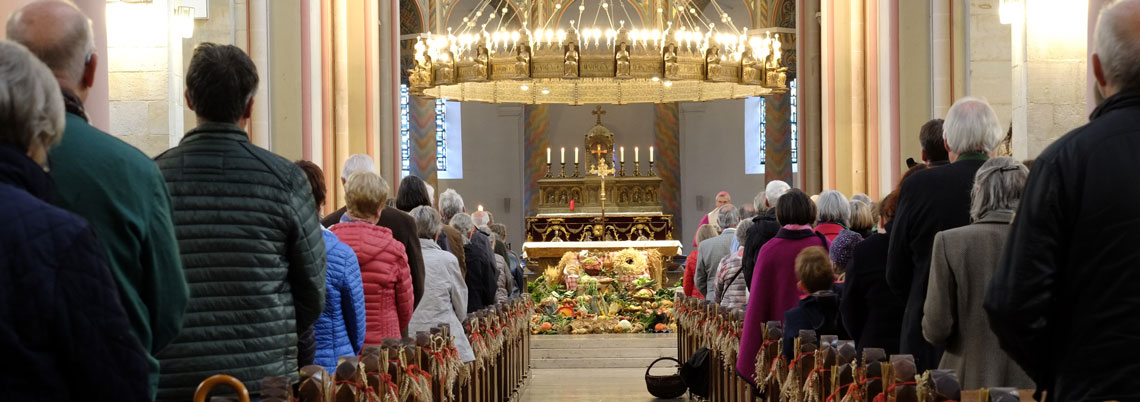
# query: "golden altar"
{"type": "Point", "coordinates": [604, 210]}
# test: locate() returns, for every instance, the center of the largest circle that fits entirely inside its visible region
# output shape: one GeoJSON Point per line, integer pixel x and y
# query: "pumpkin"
{"type": "Point", "coordinates": [566, 311]}
{"type": "Point", "coordinates": [660, 327]}
{"type": "Point", "coordinates": [546, 326]}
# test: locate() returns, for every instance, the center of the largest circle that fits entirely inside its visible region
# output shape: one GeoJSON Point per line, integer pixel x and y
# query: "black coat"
{"type": "Point", "coordinates": [818, 312]}
{"type": "Point", "coordinates": [403, 228]}
{"type": "Point", "coordinates": [482, 275]}
{"type": "Point", "coordinates": [764, 228]}
{"type": "Point", "coordinates": [872, 314]}
{"type": "Point", "coordinates": [1064, 302]}
{"type": "Point", "coordinates": [64, 334]}
{"type": "Point", "coordinates": [930, 201]}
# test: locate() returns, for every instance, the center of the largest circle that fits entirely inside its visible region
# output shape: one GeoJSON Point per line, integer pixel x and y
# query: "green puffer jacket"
{"type": "Point", "coordinates": [253, 255]}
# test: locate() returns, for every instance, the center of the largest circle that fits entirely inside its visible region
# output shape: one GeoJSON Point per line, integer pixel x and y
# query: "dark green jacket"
{"type": "Point", "coordinates": [253, 254]}
{"type": "Point", "coordinates": [119, 190]}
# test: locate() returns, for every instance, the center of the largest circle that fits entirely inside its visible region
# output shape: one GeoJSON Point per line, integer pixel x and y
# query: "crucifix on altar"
{"type": "Point", "coordinates": [602, 169]}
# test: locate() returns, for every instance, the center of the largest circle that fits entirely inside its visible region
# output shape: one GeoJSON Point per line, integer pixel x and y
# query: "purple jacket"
{"type": "Point", "coordinates": [773, 291]}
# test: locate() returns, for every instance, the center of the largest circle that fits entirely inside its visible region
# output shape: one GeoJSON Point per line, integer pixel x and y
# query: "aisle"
{"type": "Point", "coordinates": [588, 385]}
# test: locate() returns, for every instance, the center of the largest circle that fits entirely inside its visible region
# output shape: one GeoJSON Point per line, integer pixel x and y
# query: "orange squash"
{"type": "Point", "coordinates": [566, 311]}
{"type": "Point", "coordinates": [546, 326]}
{"type": "Point", "coordinates": [660, 327]}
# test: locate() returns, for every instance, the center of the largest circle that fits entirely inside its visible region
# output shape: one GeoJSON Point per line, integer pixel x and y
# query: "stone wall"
{"type": "Point", "coordinates": [989, 58]}
{"type": "Point", "coordinates": [137, 44]}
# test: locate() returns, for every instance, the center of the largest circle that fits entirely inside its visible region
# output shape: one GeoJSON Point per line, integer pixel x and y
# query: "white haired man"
{"type": "Point", "coordinates": [65, 332]}
{"type": "Point", "coordinates": [1063, 302]}
{"type": "Point", "coordinates": [113, 185]}
{"type": "Point", "coordinates": [764, 227]}
{"type": "Point", "coordinates": [402, 225]}
{"type": "Point", "coordinates": [451, 205]}
{"type": "Point", "coordinates": [711, 251]}
{"type": "Point", "coordinates": [482, 276]}
{"type": "Point", "coordinates": [931, 201]}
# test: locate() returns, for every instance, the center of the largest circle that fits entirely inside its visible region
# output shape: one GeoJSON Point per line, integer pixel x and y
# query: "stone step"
{"type": "Point", "coordinates": [602, 362]}
{"type": "Point", "coordinates": [603, 341]}
{"type": "Point", "coordinates": [586, 353]}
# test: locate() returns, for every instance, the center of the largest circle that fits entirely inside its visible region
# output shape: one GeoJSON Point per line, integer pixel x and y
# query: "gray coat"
{"type": "Point", "coordinates": [962, 263]}
{"type": "Point", "coordinates": [445, 297]}
{"type": "Point", "coordinates": [709, 254]}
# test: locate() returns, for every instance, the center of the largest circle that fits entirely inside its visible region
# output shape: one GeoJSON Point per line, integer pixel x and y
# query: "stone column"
{"type": "Point", "coordinates": [778, 153]}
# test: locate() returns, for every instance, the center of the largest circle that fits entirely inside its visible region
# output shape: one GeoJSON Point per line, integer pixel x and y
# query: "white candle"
{"type": "Point", "coordinates": [650, 154]}
{"type": "Point", "coordinates": [480, 207]}
{"type": "Point", "coordinates": [547, 155]}
{"type": "Point", "coordinates": [622, 154]}
{"type": "Point", "coordinates": [563, 160]}
{"type": "Point", "coordinates": [575, 155]}
{"type": "Point", "coordinates": [635, 155]}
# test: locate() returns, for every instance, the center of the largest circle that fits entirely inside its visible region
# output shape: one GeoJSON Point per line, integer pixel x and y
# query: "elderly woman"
{"type": "Point", "coordinates": [862, 218]}
{"type": "Point", "coordinates": [339, 331]}
{"type": "Point", "coordinates": [774, 285]}
{"type": "Point", "coordinates": [445, 295]}
{"type": "Point", "coordinates": [387, 279]}
{"type": "Point", "coordinates": [64, 324]}
{"type": "Point", "coordinates": [704, 232]}
{"type": "Point", "coordinates": [953, 317]}
{"type": "Point", "coordinates": [730, 284]}
{"type": "Point", "coordinates": [834, 214]}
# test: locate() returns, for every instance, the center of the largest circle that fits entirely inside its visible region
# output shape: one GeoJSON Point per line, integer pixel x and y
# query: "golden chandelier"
{"type": "Point", "coordinates": [687, 61]}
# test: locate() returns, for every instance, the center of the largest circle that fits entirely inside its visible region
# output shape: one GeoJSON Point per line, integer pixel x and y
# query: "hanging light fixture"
{"type": "Point", "coordinates": [684, 57]}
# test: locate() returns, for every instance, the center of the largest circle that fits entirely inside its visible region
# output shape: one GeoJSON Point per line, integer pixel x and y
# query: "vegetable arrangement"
{"type": "Point", "coordinates": [593, 308]}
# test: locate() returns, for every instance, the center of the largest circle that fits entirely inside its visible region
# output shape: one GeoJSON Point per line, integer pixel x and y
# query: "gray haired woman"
{"type": "Point", "coordinates": [445, 292]}
{"type": "Point", "coordinates": [962, 263]}
{"type": "Point", "coordinates": [834, 214]}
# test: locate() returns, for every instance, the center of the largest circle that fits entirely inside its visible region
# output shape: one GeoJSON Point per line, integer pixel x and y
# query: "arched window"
{"type": "Point", "coordinates": [756, 132]}
{"type": "Point", "coordinates": [447, 122]}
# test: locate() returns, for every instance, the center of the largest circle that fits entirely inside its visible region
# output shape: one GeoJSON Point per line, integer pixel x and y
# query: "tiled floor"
{"type": "Point", "coordinates": [589, 385]}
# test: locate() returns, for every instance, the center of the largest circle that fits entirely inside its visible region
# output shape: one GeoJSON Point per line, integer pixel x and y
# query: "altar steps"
{"type": "Point", "coordinates": [600, 351]}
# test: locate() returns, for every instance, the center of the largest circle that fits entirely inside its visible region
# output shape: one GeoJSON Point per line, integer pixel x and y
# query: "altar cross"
{"type": "Point", "coordinates": [599, 152]}
{"type": "Point", "coordinates": [599, 112]}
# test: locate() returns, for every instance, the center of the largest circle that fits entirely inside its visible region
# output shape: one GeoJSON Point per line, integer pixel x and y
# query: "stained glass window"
{"type": "Point", "coordinates": [756, 124]}
{"type": "Point", "coordinates": [440, 133]}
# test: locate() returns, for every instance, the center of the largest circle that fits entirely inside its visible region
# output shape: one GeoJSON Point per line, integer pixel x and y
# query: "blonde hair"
{"type": "Point", "coordinates": [706, 232]}
{"type": "Point", "coordinates": [862, 216]}
{"type": "Point", "coordinates": [365, 193]}
{"type": "Point", "coordinates": [813, 269]}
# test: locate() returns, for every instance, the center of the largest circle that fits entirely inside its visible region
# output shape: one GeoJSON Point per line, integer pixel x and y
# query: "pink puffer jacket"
{"type": "Point", "coordinates": [388, 298]}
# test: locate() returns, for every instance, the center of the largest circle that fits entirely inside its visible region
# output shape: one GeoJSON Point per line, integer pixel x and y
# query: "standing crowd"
{"type": "Point", "coordinates": [972, 262]}
{"type": "Point", "coordinates": [133, 279]}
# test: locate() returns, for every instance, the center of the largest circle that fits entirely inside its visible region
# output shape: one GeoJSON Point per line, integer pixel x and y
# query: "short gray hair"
{"type": "Point", "coordinates": [482, 219]}
{"type": "Point", "coordinates": [357, 163]}
{"type": "Point", "coordinates": [742, 230]}
{"type": "Point", "coordinates": [758, 201]}
{"type": "Point", "coordinates": [450, 204]}
{"type": "Point", "coordinates": [1117, 45]}
{"type": "Point", "coordinates": [997, 186]}
{"type": "Point", "coordinates": [430, 192]}
{"type": "Point", "coordinates": [727, 216]}
{"type": "Point", "coordinates": [862, 197]}
{"type": "Point", "coordinates": [463, 223]}
{"type": "Point", "coordinates": [31, 105]}
{"type": "Point", "coordinates": [64, 46]}
{"type": "Point", "coordinates": [972, 125]}
{"type": "Point", "coordinates": [774, 190]}
{"type": "Point", "coordinates": [833, 207]}
{"type": "Point", "coordinates": [428, 221]}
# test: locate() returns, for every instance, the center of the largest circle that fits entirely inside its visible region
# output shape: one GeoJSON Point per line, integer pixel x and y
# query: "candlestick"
{"type": "Point", "coordinates": [651, 173]}
{"type": "Point", "coordinates": [563, 153]}
{"type": "Point", "coordinates": [622, 154]}
{"type": "Point", "coordinates": [636, 158]}
{"type": "Point", "coordinates": [621, 171]}
{"type": "Point", "coordinates": [547, 155]}
{"type": "Point", "coordinates": [548, 172]}
{"type": "Point", "coordinates": [575, 155]}
{"type": "Point", "coordinates": [650, 155]}
{"type": "Point", "coordinates": [575, 167]}
{"type": "Point", "coordinates": [562, 173]}
{"type": "Point", "coordinates": [636, 168]}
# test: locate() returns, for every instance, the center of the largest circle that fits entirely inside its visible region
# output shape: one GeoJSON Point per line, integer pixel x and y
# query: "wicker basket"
{"type": "Point", "coordinates": [665, 386]}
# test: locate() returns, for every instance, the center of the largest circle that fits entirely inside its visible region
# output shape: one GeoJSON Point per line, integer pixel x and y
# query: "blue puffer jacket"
{"type": "Point", "coordinates": [340, 329]}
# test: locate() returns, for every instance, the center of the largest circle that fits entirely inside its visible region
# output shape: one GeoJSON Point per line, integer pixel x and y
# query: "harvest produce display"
{"type": "Point", "coordinates": [598, 293]}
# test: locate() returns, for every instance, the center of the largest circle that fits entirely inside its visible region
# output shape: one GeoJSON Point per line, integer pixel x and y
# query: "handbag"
{"type": "Point", "coordinates": [695, 372]}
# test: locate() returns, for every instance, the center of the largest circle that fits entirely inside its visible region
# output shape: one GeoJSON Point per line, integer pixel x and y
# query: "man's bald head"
{"type": "Point", "coordinates": [1116, 61]}
{"type": "Point", "coordinates": [60, 35]}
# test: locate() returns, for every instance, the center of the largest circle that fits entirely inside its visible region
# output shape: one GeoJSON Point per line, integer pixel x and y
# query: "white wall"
{"type": "Point", "coordinates": [492, 164]}
{"type": "Point", "coordinates": [632, 126]}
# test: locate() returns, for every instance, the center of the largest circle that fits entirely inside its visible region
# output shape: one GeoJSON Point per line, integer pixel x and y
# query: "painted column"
{"type": "Point", "coordinates": [536, 121]}
{"type": "Point", "coordinates": [667, 143]}
{"type": "Point", "coordinates": [421, 139]}
{"type": "Point", "coordinates": [778, 154]}
{"type": "Point", "coordinates": [808, 63]}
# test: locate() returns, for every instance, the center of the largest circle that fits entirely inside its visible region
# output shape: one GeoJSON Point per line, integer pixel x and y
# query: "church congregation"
{"type": "Point", "coordinates": [135, 277]}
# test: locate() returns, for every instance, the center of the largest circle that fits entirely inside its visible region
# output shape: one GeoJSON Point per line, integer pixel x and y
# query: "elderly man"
{"type": "Point", "coordinates": [722, 199]}
{"type": "Point", "coordinates": [1063, 303]}
{"type": "Point", "coordinates": [764, 227]}
{"type": "Point", "coordinates": [481, 277]}
{"type": "Point", "coordinates": [451, 204]}
{"type": "Point", "coordinates": [483, 221]}
{"type": "Point", "coordinates": [931, 201]}
{"type": "Point", "coordinates": [248, 231]}
{"type": "Point", "coordinates": [117, 188]}
{"type": "Point", "coordinates": [711, 251]}
{"type": "Point", "coordinates": [65, 334]}
{"type": "Point", "coordinates": [401, 224]}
